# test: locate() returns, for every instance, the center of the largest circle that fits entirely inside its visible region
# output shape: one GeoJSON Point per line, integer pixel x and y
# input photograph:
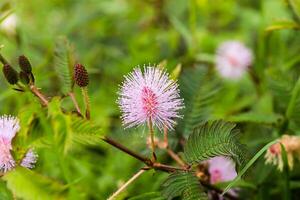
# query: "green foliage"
{"type": "Point", "coordinates": [110, 37]}
{"type": "Point", "coordinates": [248, 165]}
{"type": "Point", "coordinates": [214, 139]}
{"type": "Point", "coordinates": [29, 185]}
{"type": "Point", "coordinates": [199, 93]}
{"type": "Point", "coordinates": [149, 196]}
{"type": "Point", "coordinates": [64, 64]}
{"type": "Point", "coordinates": [184, 184]}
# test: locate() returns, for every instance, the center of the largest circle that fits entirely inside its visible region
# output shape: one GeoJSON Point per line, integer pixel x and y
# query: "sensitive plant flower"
{"type": "Point", "coordinates": [233, 59]}
{"type": "Point", "coordinates": [221, 169]}
{"type": "Point", "coordinates": [292, 147]}
{"type": "Point", "coordinates": [29, 159]}
{"type": "Point", "coordinates": [9, 126]}
{"type": "Point", "coordinates": [149, 96]}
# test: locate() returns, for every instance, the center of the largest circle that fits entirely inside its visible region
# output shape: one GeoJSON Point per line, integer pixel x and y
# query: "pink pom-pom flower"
{"type": "Point", "coordinates": [221, 169]}
{"type": "Point", "coordinates": [29, 159]}
{"type": "Point", "coordinates": [149, 96]}
{"type": "Point", "coordinates": [233, 59]}
{"type": "Point", "coordinates": [9, 126]}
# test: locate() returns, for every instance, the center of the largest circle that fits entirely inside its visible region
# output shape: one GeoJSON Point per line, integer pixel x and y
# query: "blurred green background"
{"type": "Point", "coordinates": [111, 37]}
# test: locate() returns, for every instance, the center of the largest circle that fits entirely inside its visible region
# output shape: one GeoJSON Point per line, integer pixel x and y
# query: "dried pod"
{"type": "Point", "coordinates": [81, 76]}
{"type": "Point", "coordinates": [10, 74]}
{"type": "Point", "coordinates": [24, 64]}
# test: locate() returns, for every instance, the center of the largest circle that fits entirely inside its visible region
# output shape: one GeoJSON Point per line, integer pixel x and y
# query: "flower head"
{"type": "Point", "coordinates": [221, 169]}
{"type": "Point", "coordinates": [81, 76]}
{"type": "Point", "coordinates": [292, 147]}
{"type": "Point", "coordinates": [9, 126]}
{"type": "Point", "coordinates": [232, 60]}
{"type": "Point", "coordinates": [149, 95]}
{"type": "Point", "coordinates": [29, 159]}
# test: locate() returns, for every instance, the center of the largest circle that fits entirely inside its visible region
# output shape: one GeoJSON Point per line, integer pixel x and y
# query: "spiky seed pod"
{"type": "Point", "coordinates": [24, 78]}
{"type": "Point", "coordinates": [24, 64]}
{"type": "Point", "coordinates": [10, 74]}
{"type": "Point", "coordinates": [81, 76]}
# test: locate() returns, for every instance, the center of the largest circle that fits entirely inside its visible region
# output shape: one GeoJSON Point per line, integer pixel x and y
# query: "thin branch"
{"type": "Point", "coordinates": [38, 94]}
{"type": "Point", "coordinates": [121, 147]}
{"type": "Point", "coordinates": [162, 167]}
{"type": "Point", "coordinates": [123, 187]}
{"type": "Point", "coordinates": [86, 102]}
{"type": "Point", "coordinates": [150, 126]}
{"type": "Point", "coordinates": [3, 60]}
{"type": "Point", "coordinates": [219, 191]}
{"type": "Point", "coordinates": [72, 96]}
{"type": "Point", "coordinates": [175, 157]}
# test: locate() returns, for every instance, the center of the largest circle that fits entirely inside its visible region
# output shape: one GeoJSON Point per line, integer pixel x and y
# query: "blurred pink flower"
{"type": "Point", "coordinates": [233, 59]}
{"type": "Point", "coordinates": [291, 144]}
{"type": "Point", "coordinates": [221, 169]}
{"type": "Point", "coordinates": [9, 126]}
{"type": "Point", "coordinates": [29, 159]}
{"type": "Point", "coordinates": [151, 95]}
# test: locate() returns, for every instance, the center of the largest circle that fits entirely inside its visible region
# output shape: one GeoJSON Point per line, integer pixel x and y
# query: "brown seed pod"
{"type": "Point", "coordinates": [24, 64]}
{"type": "Point", "coordinates": [10, 74]}
{"type": "Point", "coordinates": [24, 78]}
{"type": "Point", "coordinates": [81, 76]}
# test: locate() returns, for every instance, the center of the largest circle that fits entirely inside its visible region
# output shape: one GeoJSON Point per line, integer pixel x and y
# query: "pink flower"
{"type": "Point", "coordinates": [233, 59]}
{"type": "Point", "coordinates": [151, 95]}
{"type": "Point", "coordinates": [221, 169]}
{"type": "Point", "coordinates": [29, 159]}
{"type": "Point", "coordinates": [9, 126]}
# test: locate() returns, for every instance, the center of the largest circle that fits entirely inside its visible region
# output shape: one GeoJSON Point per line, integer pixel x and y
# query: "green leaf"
{"type": "Point", "coordinates": [199, 93]}
{"type": "Point", "coordinates": [286, 174]}
{"type": "Point", "coordinates": [28, 185]}
{"type": "Point", "coordinates": [248, 165]}
{"type": "Point", "coordinates": [64, 63]}
{"type": "Point", "coordinates": [214, 139]}
{"type": "Point", "coordinates": [293, 109]}
{"type": "Point", "coordinates": [255, 117]}
{"type": "Point", "coordinates": [295, 7]}
{"type": "Point", "coordinates": [148, 196]}
{"type": "Point", "coordinates": [282, 25]}
{"type": "Point", "coordinates": [183, 184]}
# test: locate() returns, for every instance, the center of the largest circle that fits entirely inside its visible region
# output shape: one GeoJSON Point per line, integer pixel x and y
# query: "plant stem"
{"type": "Point", "coordinates": [160, 166]}
{"type": "Point", "coordinates": [119, 146]}
{"type": "Point", "coordinates": [176, 157]}
{"type": "Point", "coordinates": [123, 187]}
{"type": "Point", "coordinates": [3, 60]}
{"type": "Point", "coordinates": [38, 94]}
{"type": "Point", "coordinates": [86, 102]}
{"type": "Point", "coordinates": [150, 126]}
{"type": "Point", "coordinates": [166, 141]}
{"type": "Point", "coordinates": [72, 96]}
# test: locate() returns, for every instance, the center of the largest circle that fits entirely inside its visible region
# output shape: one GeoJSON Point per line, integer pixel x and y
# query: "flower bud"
{"type": "Point", "coordinates": [24, 78]}
{"type": "Point", "coordinates": [24, 64]}
{"type": "Point", "coordinates": [10, 74]}
{"type": "Point", "coordinates": [81, 76]}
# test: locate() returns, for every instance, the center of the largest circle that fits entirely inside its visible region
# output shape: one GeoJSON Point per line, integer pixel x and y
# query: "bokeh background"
{"type": "Point", "coordinates": [111, 37]}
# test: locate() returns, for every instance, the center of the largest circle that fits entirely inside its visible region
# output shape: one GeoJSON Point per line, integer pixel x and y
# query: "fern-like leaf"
{"type": "Point", "coordinates": [63, 62]}
{"type": "Point", "coordinates": [214, 139]}
{"type": "Point", "coordinates": [184, 184]}
{"type": "Point", "coordinates": [199, 93]}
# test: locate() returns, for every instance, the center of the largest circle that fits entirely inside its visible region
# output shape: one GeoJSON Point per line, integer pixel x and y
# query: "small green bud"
{"type": "Point", "coordinates": [25, 64]}
{"type": "Point", "coordinates": [81, 76]}
{"type": "Point", "coordinates": [10, 74]}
